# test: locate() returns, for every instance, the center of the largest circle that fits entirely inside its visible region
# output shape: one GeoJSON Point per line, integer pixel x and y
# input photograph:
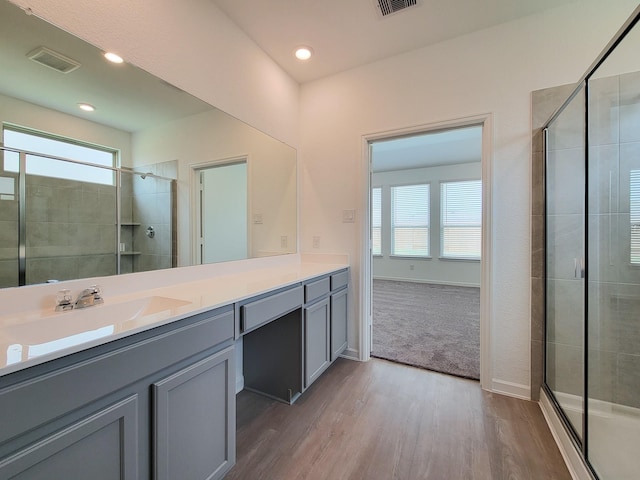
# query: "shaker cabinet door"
{"type": "Point", "coordinates": [103, 446]}
{"type": "Point", "coordinates": [316, 333]}
{"type": "Point", "coordinates": [338, 323]}
{"type": "Point", "coordinates": [194, 420]}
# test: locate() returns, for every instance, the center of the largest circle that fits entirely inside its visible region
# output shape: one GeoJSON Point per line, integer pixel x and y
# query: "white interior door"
{"type": "Point", "coordinates": [223, 213]}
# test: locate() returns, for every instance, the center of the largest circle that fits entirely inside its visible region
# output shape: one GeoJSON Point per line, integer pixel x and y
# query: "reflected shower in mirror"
{"type": "Point", "coordinates": [139, 123]}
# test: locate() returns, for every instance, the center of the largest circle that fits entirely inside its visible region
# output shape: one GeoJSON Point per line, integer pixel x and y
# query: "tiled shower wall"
{"type": "Point", "coordinates": [71, 227]}
{"type": "Point", "coordinates": [614, 283]}
{"type": "Point", "coordinates": [543, 104]}
{"type": "Point", "coordinates": [149, 202]}
{"type": "Point", "coordinates": [71, 231]}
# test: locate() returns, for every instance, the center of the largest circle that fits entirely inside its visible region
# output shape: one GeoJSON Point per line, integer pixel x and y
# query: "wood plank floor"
{"type": "Point", "coordinates": [380, 420]}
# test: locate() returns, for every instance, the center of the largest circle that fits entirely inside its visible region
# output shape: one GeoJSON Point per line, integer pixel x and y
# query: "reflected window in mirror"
{"type": "Point", "coordinates": [56, 146]}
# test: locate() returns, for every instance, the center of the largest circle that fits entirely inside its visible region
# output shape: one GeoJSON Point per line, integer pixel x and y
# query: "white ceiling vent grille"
{"type": "Point", "coordinates": [387, 7]}
{"type": "Point", "coordinates": [49, 58]}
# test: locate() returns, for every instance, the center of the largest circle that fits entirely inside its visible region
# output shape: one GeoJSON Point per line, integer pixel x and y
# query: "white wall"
{"type": "Point", "coordinates": [27, 114]}
{"type": "Point", "coordinates": [191, 44]}
{"type": "Point", "coordinates": [213, 136]}
{"type": "Point", "coordinates": [433, 269]}
{"type": "Point", "coordinates": [490, 71]}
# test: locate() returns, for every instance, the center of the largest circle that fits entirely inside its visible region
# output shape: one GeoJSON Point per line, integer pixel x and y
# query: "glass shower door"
{"type": "Point", "coordinates": [565, 264]}
{"type": "Point", "coordinates": [613, 339]}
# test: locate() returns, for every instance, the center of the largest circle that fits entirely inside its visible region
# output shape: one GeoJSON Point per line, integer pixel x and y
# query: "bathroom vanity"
{"type": "Point", "coordinates": [155, 398]}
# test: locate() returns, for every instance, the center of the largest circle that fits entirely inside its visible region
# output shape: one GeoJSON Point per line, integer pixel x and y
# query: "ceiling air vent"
{"type": "Point", "coordinates": [49, 58]}
{"type": "Point", "coordinates": [387, 7]}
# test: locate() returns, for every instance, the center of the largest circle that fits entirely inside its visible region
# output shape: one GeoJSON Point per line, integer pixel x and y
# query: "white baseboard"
{"type": "Point", "coordinates": [511, 389]}
{"type": "Point", "coordinates": [351, 354]}
{"type": "Point", "coordinates": [434, 282]}
{"type": "Point", "coordinates": [571, 457]}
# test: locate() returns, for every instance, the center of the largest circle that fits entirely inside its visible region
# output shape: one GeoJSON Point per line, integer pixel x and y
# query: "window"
{"type": "Point", "coordinates": [58, 147]}
{"type": "Point", "coordinates": [410, 220]}
{"type": "Point", "coordinates": [634, 210]}
{"type": "Point", "coordinates": [461, 216]}
{"type": "Point", "coordinates": [376, 221]}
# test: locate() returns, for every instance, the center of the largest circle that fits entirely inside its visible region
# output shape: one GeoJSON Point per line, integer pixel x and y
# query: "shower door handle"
{"type": "Point", "coordinates": [578, 267]}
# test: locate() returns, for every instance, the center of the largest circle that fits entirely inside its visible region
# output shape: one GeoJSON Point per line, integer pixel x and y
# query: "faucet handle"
{"type": "Point", "coordinates": [96, 290]}
{"type": "Point", "coordinates": [63, 300]}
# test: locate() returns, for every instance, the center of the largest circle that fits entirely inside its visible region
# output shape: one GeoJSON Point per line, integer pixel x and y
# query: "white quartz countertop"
{"type": "Point", "coordinates": [35, 336]}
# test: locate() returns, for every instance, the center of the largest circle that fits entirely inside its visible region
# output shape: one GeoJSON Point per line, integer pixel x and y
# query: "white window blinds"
{"type": "Point", "coordinates": [410, 220]}
{"type": "Point", "coordinates": [634, 210]}
{"type": "Point", "coordinates": [461, 215]}
{"type": "Point", "coordinates": [376, 221]}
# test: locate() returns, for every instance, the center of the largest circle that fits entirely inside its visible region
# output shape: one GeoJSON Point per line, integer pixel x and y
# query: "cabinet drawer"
{"type": "Point", "coordinates": [317, 289]}
{"type": "Point", "coordinates": [261, 311]}
{"type": "Point", "coordinates": [339, 280]}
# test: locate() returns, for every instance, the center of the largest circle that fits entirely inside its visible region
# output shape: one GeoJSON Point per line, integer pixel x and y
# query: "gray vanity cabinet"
{"type": "Point", "coordinates": [325, 323]}
{"type": "Point", "coordinates": [157, 404]}
{"type": "Point", "coordinates": [194, 411]}
{"type": "Point", "coordinates": [317, 351]}
{"type": "Point", "coordinates": [103, 446]}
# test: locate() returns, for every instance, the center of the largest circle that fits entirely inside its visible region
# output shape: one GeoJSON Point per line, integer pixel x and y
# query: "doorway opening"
{"type": "Point", "coordinates": [426, 256]}
{"type": "Point", "coordinates": [221, 218]}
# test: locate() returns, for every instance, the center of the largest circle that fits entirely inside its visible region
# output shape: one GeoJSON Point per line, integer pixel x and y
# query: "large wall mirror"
{"type": "Point", "coordinates": [151, 178]}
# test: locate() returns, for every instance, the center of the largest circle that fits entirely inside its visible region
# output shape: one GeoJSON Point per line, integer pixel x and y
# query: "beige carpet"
{"type": "Point", "coordinates": [436, 327]}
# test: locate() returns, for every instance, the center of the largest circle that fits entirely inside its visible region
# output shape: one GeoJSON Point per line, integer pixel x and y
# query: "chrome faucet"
{"type": "Point", "coordinates": [89, 297]}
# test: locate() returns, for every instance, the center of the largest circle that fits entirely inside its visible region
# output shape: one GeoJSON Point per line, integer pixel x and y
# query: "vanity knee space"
{"type": "Point", "coordinates": [292, 335]}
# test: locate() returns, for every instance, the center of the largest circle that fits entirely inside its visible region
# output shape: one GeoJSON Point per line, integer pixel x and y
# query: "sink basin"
{"type": "Point", "coordinates": [82, 325]}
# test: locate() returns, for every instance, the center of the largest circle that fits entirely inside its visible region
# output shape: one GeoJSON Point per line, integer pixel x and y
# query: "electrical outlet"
{"type": "Point", "coordinates": [348, 216]}
{"type": "Point", "coordinates": [316, 242]}
{"type": "Point", "coordinates": [411, 267]}
{"type": "Point", "coordinates": [257, 219]}
{"type": "Point", "coordinates": [283, 241]}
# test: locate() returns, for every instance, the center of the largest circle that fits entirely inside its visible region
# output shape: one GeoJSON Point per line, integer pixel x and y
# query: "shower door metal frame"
{"type": "Point", "coordinates": [22, 214]}
{"type": "Point", "coordinates": [579, 443]}
{"type": "Point", "coordinates": [583, 83]}
{"type": "Point", "coordinates": [22, 205]}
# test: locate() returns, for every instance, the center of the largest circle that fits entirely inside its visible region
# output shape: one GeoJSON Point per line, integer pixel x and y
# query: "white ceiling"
{"type": "Point", "coordinates": [347, 33]}
{"type": "Point", "coordinates": [460, 145]}
{"type": "Point", "coordinates": [126, 97]}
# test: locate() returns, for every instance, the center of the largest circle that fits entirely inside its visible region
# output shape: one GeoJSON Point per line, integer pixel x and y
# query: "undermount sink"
{"type": "Point", "coordinates": [79, 326]}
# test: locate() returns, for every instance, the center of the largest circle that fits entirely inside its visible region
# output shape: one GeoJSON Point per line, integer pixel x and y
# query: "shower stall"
{"type": "Point", "coordinates": [64, 219]}
{"type": "Point", "coordinates": [592, 266]}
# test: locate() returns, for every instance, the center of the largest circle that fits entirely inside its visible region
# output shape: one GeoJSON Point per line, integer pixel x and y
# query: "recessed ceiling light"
{"type": "Point", "coordinates": [303, 53]}
{"type": "Point", "coordinates": [86, 107]}
{"type": "Point", "coordinates": [112, 57]}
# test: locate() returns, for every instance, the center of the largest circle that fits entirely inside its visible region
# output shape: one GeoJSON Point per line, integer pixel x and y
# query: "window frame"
{"type": "Point", "coordinates": [373, 226]}
{"type": "Point", "coordinates": [113, 152]}
{"type": "Point", "coordinates": [393, 227]}
{"type": "Point", "coordinates": [634, 218]}
{"type": "Point", "coordinates": [442, 226]}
